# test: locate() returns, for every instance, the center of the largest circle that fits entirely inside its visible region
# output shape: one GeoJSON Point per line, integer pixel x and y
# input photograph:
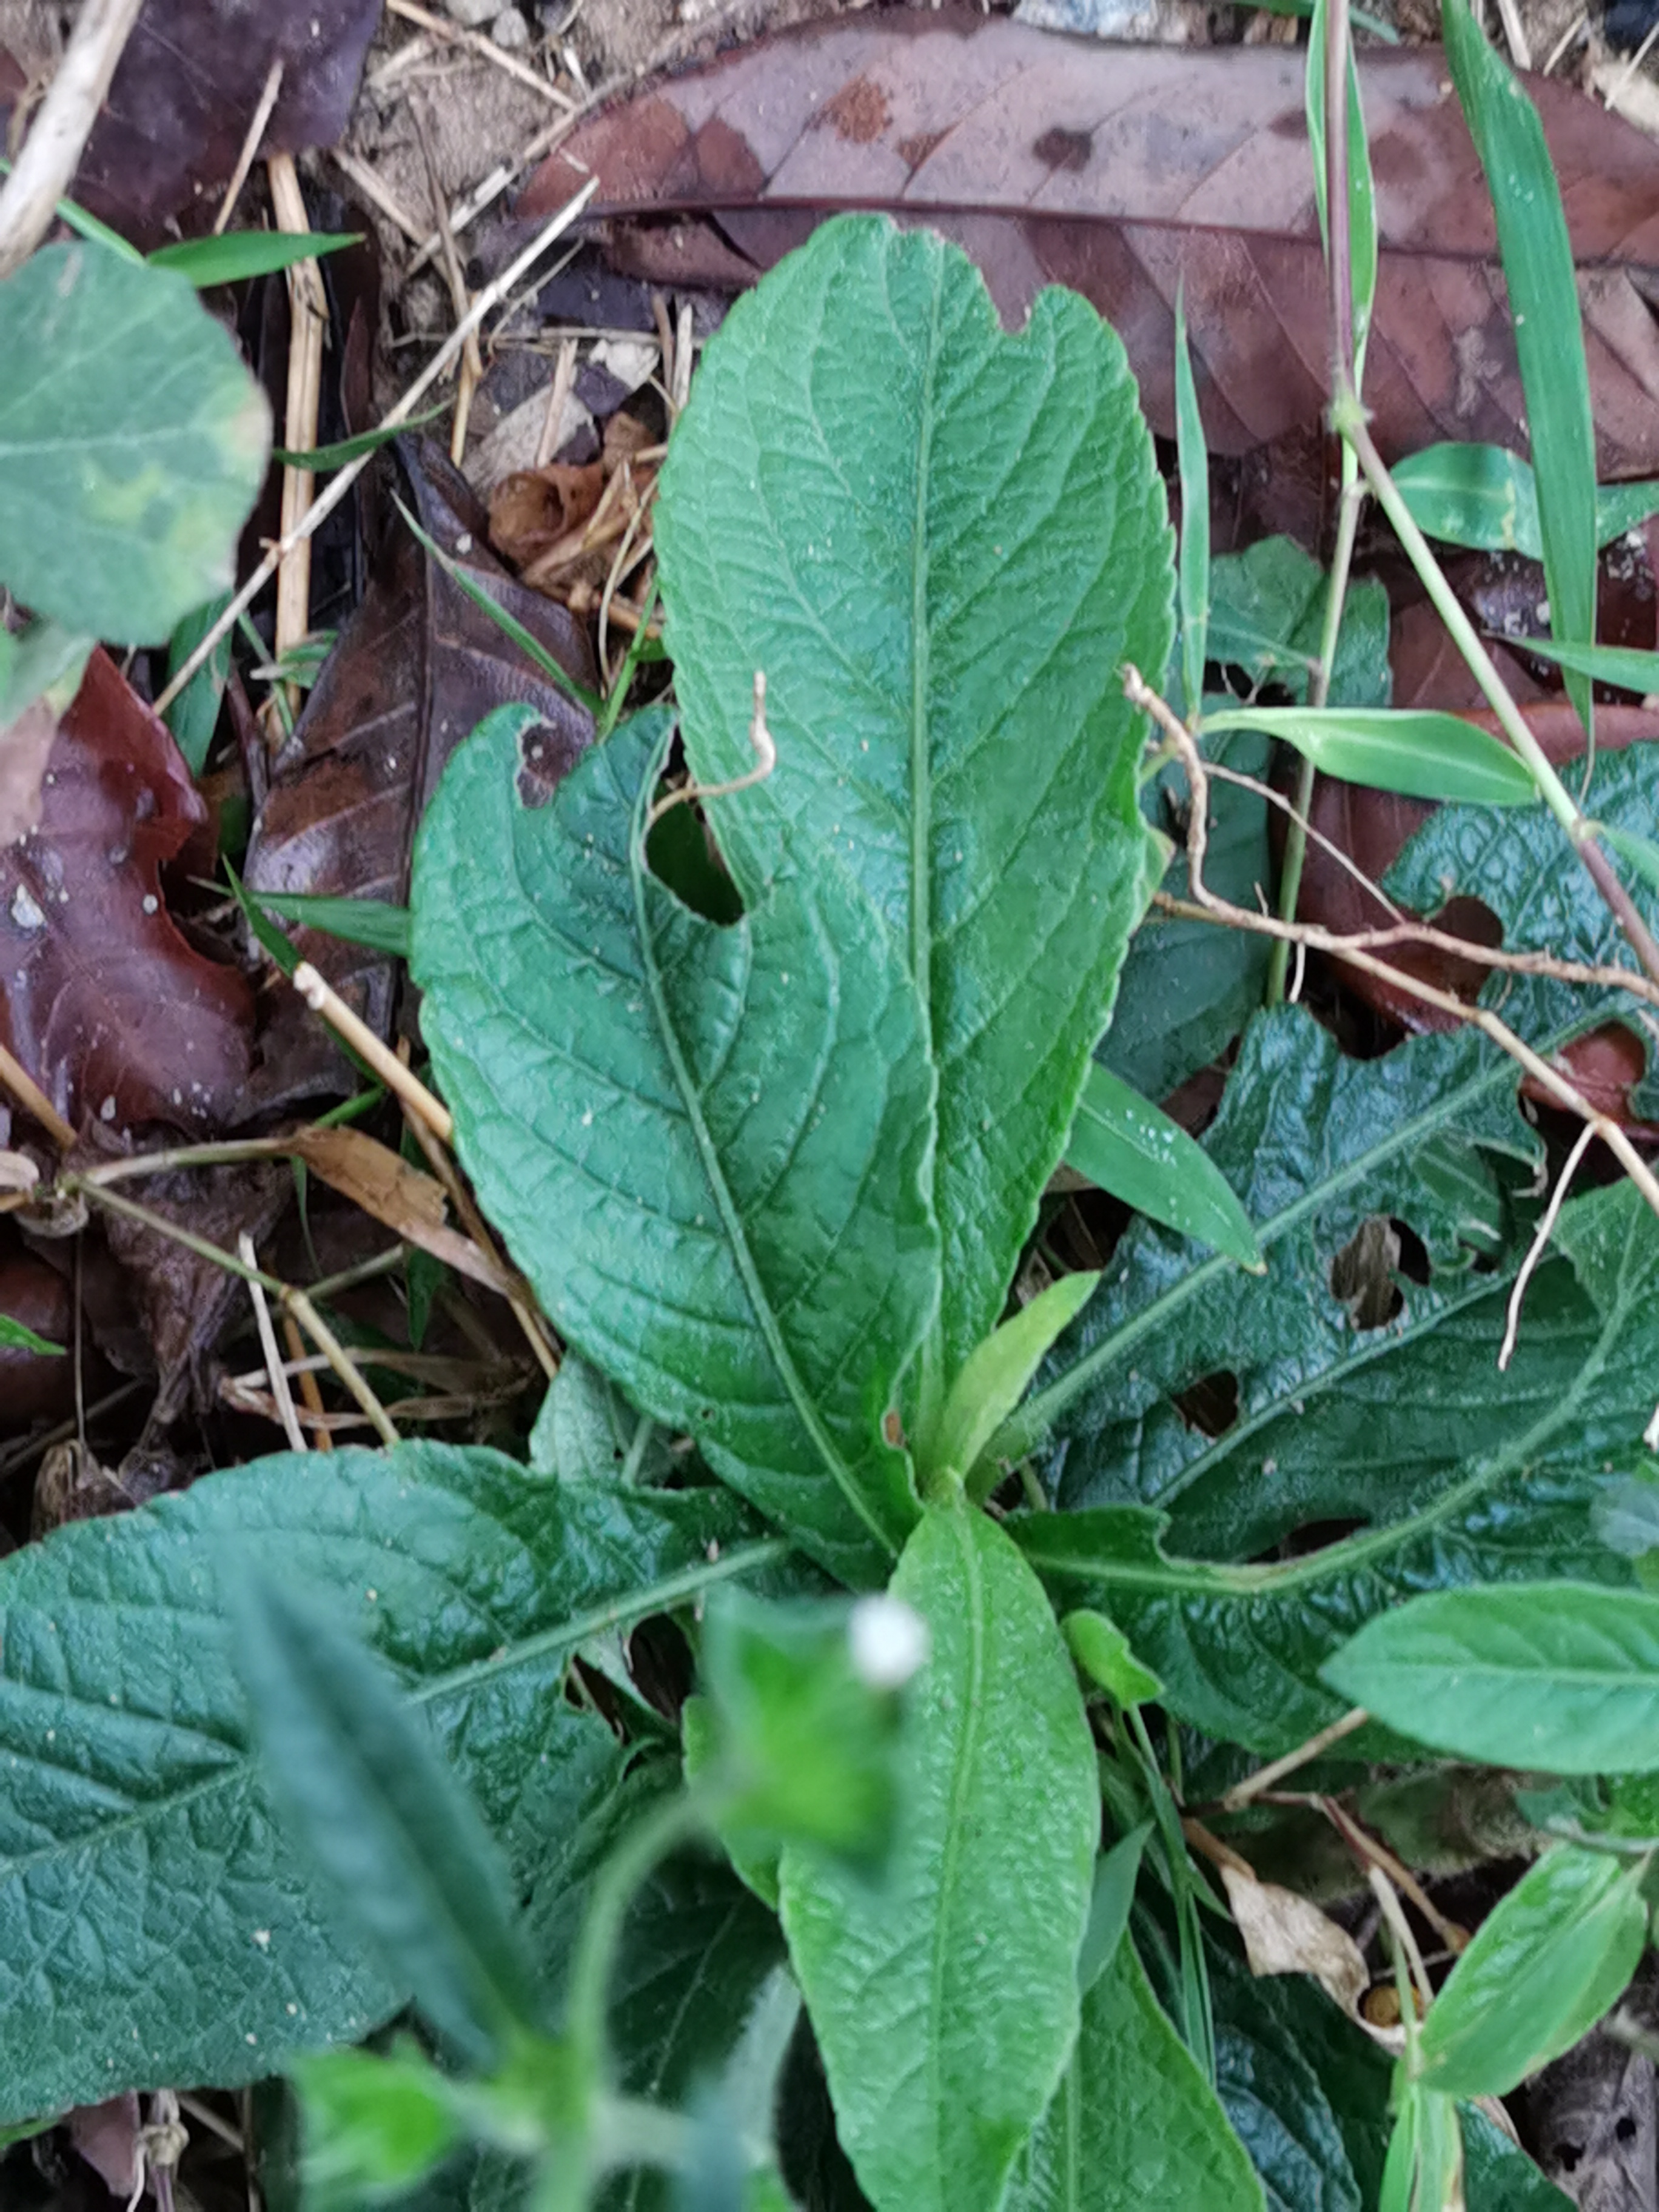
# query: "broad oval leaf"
{"type": "Point", "coordinates": [708, 1148]}
{"type": "Point", "coordinates": [126, 470]}
{"type": "Point", "coordinates": [1134, 2123]}
{"type": "Point", "coordinates": [945, 1995]}
{"type": "Point", "coordinates": [940, 542]}
{"type": "Point", "coordinates": [1561, 1676]}
{"type": "Point", "coordinates": [1128, 1147]}
{"type": "Point", "coordinates": [124, 1740]}
{"type": "Point", "coordinates": [1544, 1967]}
{"type": "Point", "coordinates": [1412, 750]}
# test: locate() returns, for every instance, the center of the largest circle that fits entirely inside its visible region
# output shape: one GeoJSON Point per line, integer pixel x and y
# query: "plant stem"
{"type": "Point", "coordinates": [671, 1824]}
{"type": "Point", "coordinates": [1199, 2034]}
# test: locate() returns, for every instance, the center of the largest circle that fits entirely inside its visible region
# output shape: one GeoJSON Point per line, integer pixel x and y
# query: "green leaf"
{"type": "Point", "coordinates": [1498, 2175]}
{"type": "Point", "coordinates": [43, 660]}
{"type": "Point", "coordinates": [1640, 853]}
{"type": "Point", "coordinates": [1115, 1874]}
{"type": "Point", "coordinates": [996, 1377]}
{"type": "Point", "coordinates": [1102, 1650]}
{"type": "Point", "coordinates": [126, 470]}
{"type": "Point", "coordinates": [1192, 460]}
{"type": "Point", "coordinates": [1266, 610]}
{"type": "Point", "coordinates": [1562, 1677]}
{"type": "Point", "coordinates": [1626, 666]}
{"type": "Point", "coordinates": [1544, 1964]}
{"type": "Point", "coordinates": [1361, 188]}
{"type": "Point", "coordinates": [1424, 2168]}
{"type": "Point", "coordinates": [236, 255]}
{"type": "Point", "coordinates": [1422, 755]}
{"type": "Point", "coordinates": [17, 1336]}
{"type": "Point", "coordinates": [194, 714]}
{"type": "Point", "coordinates": [587, 1430]}
{"type": "Point", "coordinates": [373, 2125]}
{"type": "Point", "coordinates": [1486, 498]}
{"type": "Point", "coordinates": [707, 1148]}
{"type": "Point", "coordinates": [945, 1999]}
{"type": "Point", "coordinates": [1543, 286]}
{"type": "Point", "coordinates": [940, 542]}
{"type": "Point", "coordinates": [1127, 1146]}
{"type": "Point", "coordinates": [413, 1871]}
{"type": "Point", "coordinates": [1133, 2123]}
{"type": "Point", "coordinates": [375, 923]}
{"type": "Point", "coordinates": [321, 459]}
{"type": "Point", "coordinates": [124, 1740]}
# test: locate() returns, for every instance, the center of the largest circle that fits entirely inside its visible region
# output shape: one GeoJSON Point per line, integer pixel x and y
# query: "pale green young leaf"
{"type": "Point", "coordinates": [1128, 1147]}
{"type": "Point", "coordinates": [945, 1996]}
{"type": "Point", "coordinates": [372, 2125]}
{"type": "Point", "coordinates": [997, 1377]}
{"type": "Point", "coordinates": [17, 1336]}
{"type": "Point", "coordinates": [1540, 277]}
{"type": "Point", "coordinates": [940, 542]}
{"type": "Point", "coordinates": [231, 257]}
{"type": "Point", "coordinates": [1562, 1677]}
{"type": "Point", "coordinates": [1115, 1875]}
{"type": "Point", "coordinates": [1134, 2123]}
{"type": "Point", "coordinates": [1103, 1651]}
{"type": "Point", "coordinates": [124, 1735]}
{"type": "Point", "coordinates": [1412, 750]}
{"type": "Point", "coordinates": [588, 1430]}
{"type": "Point", "coordinates": [1544, 1964]}
{"type": "Point", "coordinates": [1627, 666]}
{"type": "Point", "coordinates": [126, 471]}
{"type": "Point", "coordinates": [1424, 2168]}
{"type": "Point", "coordinates": [401, 1849]}
{"type": "Point", "coordinates": [1641, 853]}
{"type": "Point", "coordinates": [708, 1148]}
{"type": "Point", "coordinates": [1192, 462]}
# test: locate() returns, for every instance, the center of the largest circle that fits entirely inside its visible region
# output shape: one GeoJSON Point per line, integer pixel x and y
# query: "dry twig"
{"type": "Point", "coordinates": [41, 174]}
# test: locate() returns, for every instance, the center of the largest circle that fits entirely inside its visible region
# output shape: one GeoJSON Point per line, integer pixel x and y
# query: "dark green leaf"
{"type": "Point", "coordinates": [1115, 1872]}
{"type": "Point", "coordinates": [945, 1998]}
{"type": "Point", "coordinates": [1558, 1676]}
{"type": "Point", "coordinates": [411, 1867]}
{"type": "Point", "coordinates": [1549, 340]}
{"type": "Point", "coordinates": [1498, 2175]}
{"type": "Point", "coordinates": [235, 255]}
{"type": "Point", "coordinates": [376, 923]}
{"type": "Point", "coordinates": [124, 1735]}
{"type": "Point", "coordinates": [707, 1148]}
{"type": "Point", "coordinates": [194, 714]}
{"type": "Point", "coordinates": [587, 1429]}
{"type": "Point", "coordinates": [1134, 2123]}
{"type": "Point", "coordinates": [1267, 611]}
{"type": "Point", "coordinates": [1420, 754]}
{"type": "Point", "coordinates": [940, 542]}
{"type": "Point", "coordinates": [126, 471]}
{"type": "Point", "coordinates": [996, 1377]}
{"type": "Point", "coordinates": [1545, 1964]}
{"type": "Point", "coordinates": [1128, 1147]}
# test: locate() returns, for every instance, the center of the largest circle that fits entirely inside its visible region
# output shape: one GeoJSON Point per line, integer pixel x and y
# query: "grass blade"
{"type": "Point", "coordinates": [240, 254]}
{"type": "Point", "coordinates": [1362, 193]}
{"type": "Point", "coordinates": [1193, 463]}
{"type": "Point", "coordinates": [1123, 1143]}
{"type": "Point", "coordinates": [1549, 338]}
{"type": "Point", "coordinates": [1420, 754]}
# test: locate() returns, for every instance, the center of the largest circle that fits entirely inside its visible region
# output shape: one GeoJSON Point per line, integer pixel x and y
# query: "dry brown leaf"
{"type": "Point", "coordinates": [24, 746]}
{"type": "Point", "coordinates": [405, 1199]}
{"type": "Point", "coordinates": [533, 509]}
{"type": "Point", "coordinates": [1285, 1934]}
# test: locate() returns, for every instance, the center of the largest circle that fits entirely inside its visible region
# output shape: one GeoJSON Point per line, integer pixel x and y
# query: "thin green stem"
{"type": "Point", "coordinates": [672, 1823]}
{"type": "Point", "coordinates": [1199, 2031]}
{"type": "Point", "coordinates": [616, 697]}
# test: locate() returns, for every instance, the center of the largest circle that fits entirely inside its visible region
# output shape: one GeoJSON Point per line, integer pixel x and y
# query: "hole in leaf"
{"type": "Point", "coordinates": [1363, 1272]}
{"type": "Point", "coordinates": [1624, 2128]}
{"type": "Point", "coordinates": [1567, 2155]}
{"type": "Point", "coordinates": [1413, 1262]}
{"type": "Point", "coordinates": [682, 854]}
{"type": "Point", "coordinates": [1211, 1404]}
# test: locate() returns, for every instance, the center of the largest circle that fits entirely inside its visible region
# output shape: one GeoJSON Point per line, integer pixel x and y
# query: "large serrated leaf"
{"type": "Point", "coordinates": [1463, 1475]}
{"type": "Point", "coordinates": [155, 1926]}
{"type": "Point", "coordinates": [132, 441]}
{"type": "Point", "coordinates": [940, 542]}
{"type": "Point", "coordinates": [707, 1148]}
{"type": "Point", "coordinates": [945, 1992]}
{"type": "Point", "coordinates": [1133, 2123]}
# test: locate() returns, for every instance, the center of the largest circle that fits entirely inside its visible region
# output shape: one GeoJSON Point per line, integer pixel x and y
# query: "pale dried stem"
{"type": "Point", "coordinates": [244, 160]}
{"type": "Point", "coordinates": [1266, 1778]}
{"type": "Point", "coordinates": [34, 1100]}
{"type": "Point", "coordinates": [471, 360]}
{"type": "Point", "coordinates": [1204, 901]}
{"type": "Point", "coordinates": [279, 1391]}
{"type": "Point", "coordinates": [307, 305]}
{"type": "Point", "coordinates": [328, 1344]}
{"type": "Point", "coordinates": [560, 387]}
{"type": "Point", "coordinates": [324, 999]}
{"type": "Point", "coordinates": [1540, 1243]}
{"type": "Point", "coordinates": [766, 759]}
{"type": "Point", "coordinates": [320, 508]}
{"type": "Point", "coordinates": [1377, 1858]}
{"type": "Point", "coordinates": [43, 170]}
{"type": "Point", "coordinates": [452, 34]}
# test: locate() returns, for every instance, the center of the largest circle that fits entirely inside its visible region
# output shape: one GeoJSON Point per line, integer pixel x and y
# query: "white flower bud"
{"type": "Point", "coordinates": [888, 1640]}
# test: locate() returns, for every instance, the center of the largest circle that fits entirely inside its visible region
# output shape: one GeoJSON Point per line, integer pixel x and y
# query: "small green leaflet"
{"type": "Point", "coordinates": [126, 472]}
{"type": "Point", "coordinates": [867, 471]}
{"type": "Point", "coordinates": [945, 1996]}
{"type": "Point", "coordinates": [236, 255]}
{"type": "Point", "coordinates": [1545, 1964]}
{"type": "Point", "coordinates": [1102, 1650]}
{"type": "Point", "coordinates": [706, 1147]}
{"type": "Point", "coordinates": [1128, 1147]}
{"type": "Point", "coordinates": [1134, 2125]}
{"type": "Point", "coordinates": [996, 1377]}
{"type": "Point", "coordinates": [1421, 755]}
{"type": "Point", "coordinates": [1486, 498]}
{"type": "Point", "coordinates": [320, 459]}
{"type": "Point", "coordinates": [373, 2124]}
{"type": "Point", "coordinates": [1562, 1677]}
{"type": "Point", "coordinates": [1424, 2168]}
{"type": "Point", "coordinates": [375, 923]}
{"type": "Point", "coordinates": [17, 1336]}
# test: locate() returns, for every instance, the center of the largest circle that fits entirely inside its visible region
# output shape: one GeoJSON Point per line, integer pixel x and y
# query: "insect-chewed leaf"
{"type": "Point", "coordinates": [126, 470]}
{"type": "Point", "coordinates": [708, 1148]}
{"type": "Point", "coordinates": [940, 542]}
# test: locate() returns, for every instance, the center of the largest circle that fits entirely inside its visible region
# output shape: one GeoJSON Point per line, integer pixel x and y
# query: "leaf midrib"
{"type": "Point", "coordinates": [639, 1605]}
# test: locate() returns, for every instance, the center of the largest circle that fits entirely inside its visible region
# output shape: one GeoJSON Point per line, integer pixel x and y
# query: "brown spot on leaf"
{"type": "Point", "coordinates": [544, 757]}
{"type": "Point", "coordinates": [1064, 149]}
{"type": "Point", "coordinates": [914, 151]}
{"type": "Point", "coordinates": [858, 113]}
{"type": "Point", "coordinates": [893, 1428]}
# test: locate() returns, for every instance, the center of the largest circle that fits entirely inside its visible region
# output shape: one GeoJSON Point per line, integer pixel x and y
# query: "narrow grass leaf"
{"type": "Point", "coordinates": [17, 1336]}
{"type": "Point", "coordinates": [238, 254]}
{"type": "Point", "coordinates": [375, 923]}
{"type": "Point", "coordinates": [1545, 1964]}
{"type": "Point", "coordinates": [1622, 507]}
{"type": "Point", "coordinates": [1549, 338]}
{"type": "Point", "coordinates": [1194, 568]}
{"type": "Point", "coordinates": [1627, 666]}
{"type": "Point", "coordinates": [194, 714]}
{"type": "Point", "coordinates": [1128, 1147]}
{"type": "Point", "coordinates": [1362, 192]}
{"type": "Point", "coordinates": [319, 459]}
{"type": "Point", "coordinates": [1420, 754]}
{"type": "Point", "coordinates": [1560, 1676]}
{"type": "Point", "coordinates": [1640, 853]}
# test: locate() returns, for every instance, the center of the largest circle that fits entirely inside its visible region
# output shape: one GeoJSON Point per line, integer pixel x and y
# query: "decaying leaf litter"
{"type": "Point", "coordinates": [859, 111]}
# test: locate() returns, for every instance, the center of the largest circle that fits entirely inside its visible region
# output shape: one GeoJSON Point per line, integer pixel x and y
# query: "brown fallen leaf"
{"type": "Point", "coordinates": [405, 1199]}
{"type": "Point", "coordinates": [1285, 1934]}
{"type": "Point", "coordinates": [115, 1016]}
{"type": "Point", "coordinates": [1123, 170]}
{"type": "Point", "coordinates": [24, 746]}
